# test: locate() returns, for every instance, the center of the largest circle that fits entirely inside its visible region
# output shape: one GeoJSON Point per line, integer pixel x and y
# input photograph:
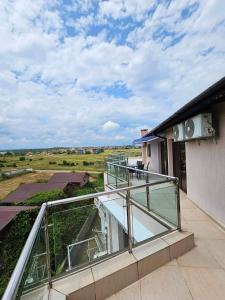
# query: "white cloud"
{"type": "Point", "coordinates": [110, 125]}
{"type": "Point", "coordinates": [119, 137]}
{"type": "Point", "coordinates": [53, 86]}
{"type": "Point", "coordinates": [122, 9]}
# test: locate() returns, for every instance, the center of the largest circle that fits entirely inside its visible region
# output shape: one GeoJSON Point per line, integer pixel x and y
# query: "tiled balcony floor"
{"type": "Point", "coordinates": [198, 275]}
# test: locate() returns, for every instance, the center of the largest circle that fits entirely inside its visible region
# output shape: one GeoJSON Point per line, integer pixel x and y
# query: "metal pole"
{"type": "Point", "coordinates": [148, 192]}
{"type": "Point", "coordinates": [128, 205]}
{"type": "Point", "coordinates": [178, 205]}
{"type": "Point", "coordinates": [48, 260]}
{"type": "Point", "coordinates": [15, 280]}
{"type": "Point", "coordinates": [68, 255]}
{"type": "Point", "coordinates": [116, 169]}
{"type": "Point", "coordinates": [107, 172]}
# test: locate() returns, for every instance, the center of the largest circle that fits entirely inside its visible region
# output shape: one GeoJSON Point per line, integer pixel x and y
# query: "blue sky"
{"type": "Point", "coordinates": [94, 72]}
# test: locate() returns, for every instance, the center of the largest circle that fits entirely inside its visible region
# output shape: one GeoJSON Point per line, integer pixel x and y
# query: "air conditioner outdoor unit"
{"type": "Point", "coordinates": [178, 132]}
{"type": "Point", "coordinates": [199, 127]}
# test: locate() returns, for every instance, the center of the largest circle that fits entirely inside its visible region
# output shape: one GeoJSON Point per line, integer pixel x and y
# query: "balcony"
{"type": "Point", "coordinates": [79, 247]}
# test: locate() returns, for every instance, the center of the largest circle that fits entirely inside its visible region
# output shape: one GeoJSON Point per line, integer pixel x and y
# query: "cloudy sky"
{"type": "Point", "coordinates": [91, 72]}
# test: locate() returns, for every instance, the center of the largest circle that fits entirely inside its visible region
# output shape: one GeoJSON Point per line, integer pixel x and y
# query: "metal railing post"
{"type": "Point", "coordinates": [48, 260]}
{"type": "Point", "coordinates": [128, 206]}
{"type": "Point", "coordinates": [178, 205]}
{"type": "Point", "coordinates": [107, 171]}
{"type": "Point", "coordinates": [147, 192]}
{"type": "Point", "coordinates": [116, 173]}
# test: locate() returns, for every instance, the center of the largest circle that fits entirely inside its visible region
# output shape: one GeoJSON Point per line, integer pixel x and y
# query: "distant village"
{"type": "Point", "coordinates": [68, 150]}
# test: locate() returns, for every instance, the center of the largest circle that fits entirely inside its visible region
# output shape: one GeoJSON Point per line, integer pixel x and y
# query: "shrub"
{"type": "Point", "coordinates": [67, 163]}
{"type": "Point", "coordinates": [22, 158]}
{"type": "Point", "coordinates": [12, 243]}
{"type": "Point", "coordinates": [13, 165]}
{"type": "Point", "coordinates": [43, 197]}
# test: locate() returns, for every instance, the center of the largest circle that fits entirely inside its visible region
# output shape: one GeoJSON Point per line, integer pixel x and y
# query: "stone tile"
{"type": "Point", "coordinates": [186, 203]}
{"type": "Point", "coordinates": [194, 214]}
{"type": "Point", "coordinates": [86, 293]}
{"type": "Point", "coordinates": [149, 248]}
{"type": "Point", "coordinates": [164, 283]}
{"type": "Point", "coordinates": [111, 284]}
{"type": "Point", "coordinates": [74, 282]}
{"type": "Point", "coordinates": [152, 262]}
{"type": "Point", "coordinates": [217, 249]}
{"type": "Point", "coordinates": [39, 293]}
{"type": "Point", "coordinates": [184, 225]}
{"type": "Point", "coordinates": [172, 263]}
{"type": "Point", "coordinates": [55, 295]}
{"type": "Point", "coordinates": [112, 265]}
{"type": "Point", "coordinates": [205, 283]}
{"type": "Point", "coordinates": [176, 236]}
{"type": "Point", "coordinates": [205, 230]}
{"type": "Point", "coordinates": [199, 256]}
{"type": "Point", "coordinates": [132, 292]}
{"type": "Point", "coordinates": [179, 242]}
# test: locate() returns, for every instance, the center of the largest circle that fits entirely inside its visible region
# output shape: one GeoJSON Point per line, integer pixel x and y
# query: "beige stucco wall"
{"type": "Point", "coordinates": [205, 161]}
{"type": "Point", "coordinates": [154, 159]}
{"type": "Point", "coordinates": [144, 153]}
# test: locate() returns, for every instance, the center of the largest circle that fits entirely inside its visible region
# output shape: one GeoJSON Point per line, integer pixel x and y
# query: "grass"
{"type": "Point", "coordinates": [95, 162]}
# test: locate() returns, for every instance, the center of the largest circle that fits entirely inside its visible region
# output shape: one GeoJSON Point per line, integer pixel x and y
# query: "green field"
{"type": "Point", "coordinates": [51, 161]}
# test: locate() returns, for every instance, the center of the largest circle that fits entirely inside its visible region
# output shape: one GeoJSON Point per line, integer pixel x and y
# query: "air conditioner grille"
{"type": "Point", "coordinates": [189, 128]}
{"type": "Point", "coordinates": [176, 132]}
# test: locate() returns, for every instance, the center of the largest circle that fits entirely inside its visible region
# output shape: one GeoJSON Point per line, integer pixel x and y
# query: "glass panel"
{"type": "Point", "coordinates": [140, 196]}
{"type": "Point", "coordinates": [144, 225]}
{"type": "Point", "coordinates": [113, 210]}
{"type": "Point", "coordinates": [35, 273]}
{"type": "Point", "coordinates": [121, 177]}
{"type": "Point", "coordinates": [163, 201]}
{"type": "Point", "coordinates": [112, 180]}
{"type": "Point", "coordinates": [71, 226]}
{"type": "Point", "coordinates": [154, 178]}
{"type": "Point", "coordinates": [86, 234]}
{"type": "Point", "coordinates": [137, 177]}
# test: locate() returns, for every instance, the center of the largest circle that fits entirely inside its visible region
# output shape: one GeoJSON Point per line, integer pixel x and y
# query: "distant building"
{"type": "Point", "coordinates": [97, 150]}
{"type": "Point", "coordinates": [75, 179]}
{"type": "Point", "coordinates": [8, 213]}
{"type": "Point", "coordinates": [27, 190]}
{"type": "Point", "coordinates": [66, 182]}
{"type": "Point", "coordinates": [80, 151]}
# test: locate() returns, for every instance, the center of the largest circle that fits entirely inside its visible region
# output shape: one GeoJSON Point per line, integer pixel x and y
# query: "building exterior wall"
{"type": "Point", "coordinates": [144, 153]}
{"type": "Point", "coordinates": [155, 159]}
{"type": "Point", "coordinates": [169, 136]}
{"type": "Point", "coordinates": [205, 163]}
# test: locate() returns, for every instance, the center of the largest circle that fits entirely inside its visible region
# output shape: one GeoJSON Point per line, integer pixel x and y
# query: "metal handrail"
{"type": "Point", "coordinates": [143, 171]}
{"type": "Point", "coordinates": [95, 195]}
{"type": "Point", "coordinates": [15, 280]}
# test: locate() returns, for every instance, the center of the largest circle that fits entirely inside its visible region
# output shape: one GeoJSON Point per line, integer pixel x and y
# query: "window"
{"type": "Point", "coordinates": [149, 149]}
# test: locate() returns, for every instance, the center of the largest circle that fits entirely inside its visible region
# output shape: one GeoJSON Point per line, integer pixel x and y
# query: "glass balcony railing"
{"type": "Point", "coordinates": [74, 233]}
